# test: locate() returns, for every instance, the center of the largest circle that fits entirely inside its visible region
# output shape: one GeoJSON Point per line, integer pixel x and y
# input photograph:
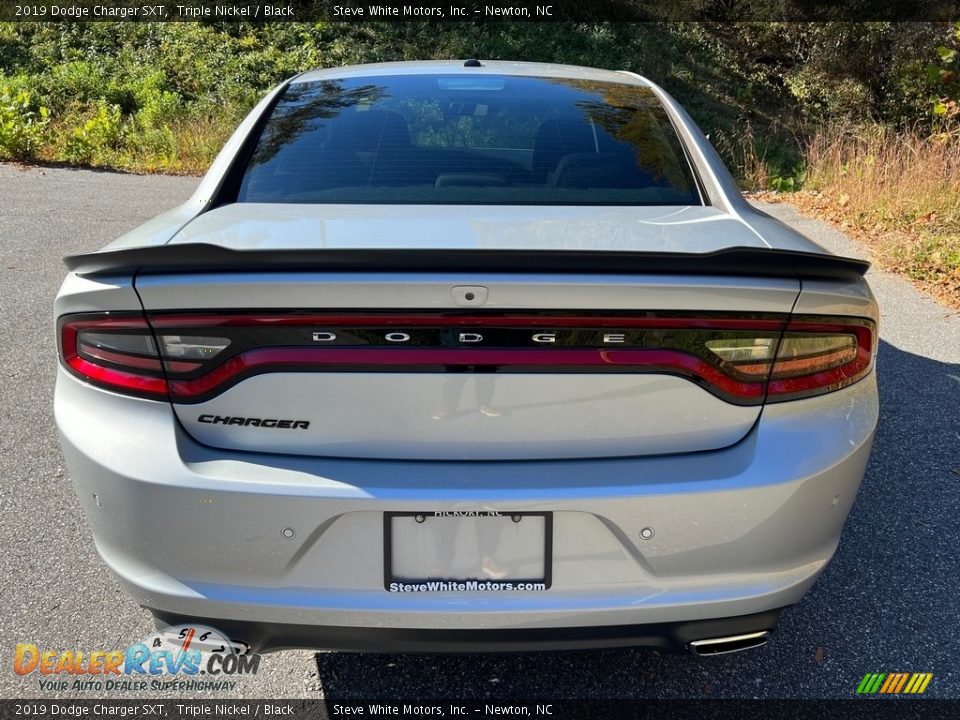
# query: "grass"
{"type": "Point", "coordinates": [897, 192]}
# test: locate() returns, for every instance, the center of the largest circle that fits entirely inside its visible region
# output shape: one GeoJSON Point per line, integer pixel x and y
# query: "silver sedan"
{"type": "Point", "coordinates": [467, 355]}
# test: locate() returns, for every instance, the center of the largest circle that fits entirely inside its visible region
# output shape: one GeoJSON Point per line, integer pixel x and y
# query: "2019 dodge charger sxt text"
{"type": "Point", "coordinates": [483, 355]}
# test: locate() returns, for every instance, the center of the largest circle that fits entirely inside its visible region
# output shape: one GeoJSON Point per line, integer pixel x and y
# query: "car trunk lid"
{"type": "Point", "coordinates": [439, 333]}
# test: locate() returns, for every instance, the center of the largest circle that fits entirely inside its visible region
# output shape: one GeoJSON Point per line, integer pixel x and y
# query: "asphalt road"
{"type": "Point", "coordinates": [888, 601]}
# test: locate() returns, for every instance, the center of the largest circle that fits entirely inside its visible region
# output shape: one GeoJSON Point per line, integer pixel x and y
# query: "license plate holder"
{"type": "Point", "coordinates": [450, 552]}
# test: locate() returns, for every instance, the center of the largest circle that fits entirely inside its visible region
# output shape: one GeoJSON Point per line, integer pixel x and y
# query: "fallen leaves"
{"type": "Point", "coordinates": [895, 244]}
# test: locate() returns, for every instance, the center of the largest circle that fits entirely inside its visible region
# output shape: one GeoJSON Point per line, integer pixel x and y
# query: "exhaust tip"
{"type": "Point", "coordinates": [729, 644]}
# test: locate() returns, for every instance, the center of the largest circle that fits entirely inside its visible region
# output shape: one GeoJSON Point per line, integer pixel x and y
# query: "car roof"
{"type": "Point", "coordinates": [488, 67]}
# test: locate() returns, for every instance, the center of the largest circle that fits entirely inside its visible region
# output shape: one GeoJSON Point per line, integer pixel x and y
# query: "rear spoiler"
{"type": "Point", "coordinates": [204, 258]}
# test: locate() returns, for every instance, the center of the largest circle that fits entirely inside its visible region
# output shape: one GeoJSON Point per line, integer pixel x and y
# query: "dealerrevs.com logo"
{"type": "Point", "coordinates": [174, 658]}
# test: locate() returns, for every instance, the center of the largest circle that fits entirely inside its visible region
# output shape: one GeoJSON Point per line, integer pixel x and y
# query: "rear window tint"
{"type": "Point", "coordinates": [456, 139]}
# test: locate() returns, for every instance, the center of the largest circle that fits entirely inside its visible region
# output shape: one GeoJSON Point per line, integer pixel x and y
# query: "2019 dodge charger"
{"type": "Point", "coordinates": [466, 355]}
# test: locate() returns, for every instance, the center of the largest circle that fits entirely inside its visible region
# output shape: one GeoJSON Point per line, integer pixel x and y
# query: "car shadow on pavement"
{"type": "Point", "coordinates": [885, 603]}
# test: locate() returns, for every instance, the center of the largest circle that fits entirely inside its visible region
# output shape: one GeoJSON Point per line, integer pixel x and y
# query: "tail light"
{"type": "Point", "coordinates": [190, 358]}
{"type": "Point", "coordinates": [819, 355]}
{"type": "Point", "coordinates": [815, 355]}
{"type": "Point", "coordinates": [119, 351]}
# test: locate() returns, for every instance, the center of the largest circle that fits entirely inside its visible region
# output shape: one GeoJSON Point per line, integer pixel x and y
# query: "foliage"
{"type": "Point", "coordinates": [23, 126]}
{"type": "Point", "coordinates": [168, 79]}
{"type": "Point", "coordinates": [899, 192]}
{"type": "Point", "coordinates": [99, 134]}
{"type": "Point", "coordinates": [945, 76]}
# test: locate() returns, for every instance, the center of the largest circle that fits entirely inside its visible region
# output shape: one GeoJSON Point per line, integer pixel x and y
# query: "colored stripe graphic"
{"type": "Point", "coordinates": [890, 681]}
{"type": "Point", "coordinates": [870, 683]}
{"type": "Point", "coordinates": [894, 683]}
{"type": "Point", "coordinates": [918, 683]}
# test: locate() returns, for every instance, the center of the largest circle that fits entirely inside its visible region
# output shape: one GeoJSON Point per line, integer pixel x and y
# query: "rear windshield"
{"type": "Point", "coordinates": [456, 139]}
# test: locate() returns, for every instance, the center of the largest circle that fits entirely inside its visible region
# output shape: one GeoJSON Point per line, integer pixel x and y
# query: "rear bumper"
{"type": "Point", "coordinates": [266, 636]}
{"type": "Point", "coordinates": [196, 532]}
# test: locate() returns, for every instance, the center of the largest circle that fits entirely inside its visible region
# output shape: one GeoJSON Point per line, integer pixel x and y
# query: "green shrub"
{"type": "Point", "coordinates": [99, 134]}
{"type": "Point", "coordinates": [23, 129]}
{"type": "Point", "coordinates": [945, 76]}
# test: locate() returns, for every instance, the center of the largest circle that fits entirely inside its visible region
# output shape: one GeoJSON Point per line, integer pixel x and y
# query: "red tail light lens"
{"type": "Point", "coordinates": [191, 358]}
{"type": "Point", "coordinates": [118, 351]}
{"type": "Point", "coordinates": [115, 351]}
{"type": "Point", "coordinates": [819, 355]}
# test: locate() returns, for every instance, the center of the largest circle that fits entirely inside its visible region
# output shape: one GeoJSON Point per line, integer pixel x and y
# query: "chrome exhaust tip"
{"type": "Point", "coordinates": [729, 644]}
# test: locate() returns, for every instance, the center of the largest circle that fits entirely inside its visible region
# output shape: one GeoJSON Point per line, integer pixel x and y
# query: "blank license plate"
{"type": "Point", "coordinates": [443, 552]}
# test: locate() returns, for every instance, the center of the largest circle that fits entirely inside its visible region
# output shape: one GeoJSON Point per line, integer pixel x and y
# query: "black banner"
{"type": "Point", "coordinates": [874, 709]}
{"type": "Point", "coordinates": [476, 10]}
